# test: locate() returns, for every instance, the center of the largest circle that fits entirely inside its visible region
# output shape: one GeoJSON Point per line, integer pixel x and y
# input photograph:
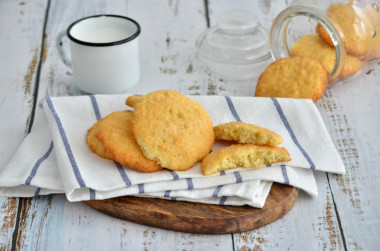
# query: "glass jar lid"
{"type": "Point", "coordinates": [236, 41]}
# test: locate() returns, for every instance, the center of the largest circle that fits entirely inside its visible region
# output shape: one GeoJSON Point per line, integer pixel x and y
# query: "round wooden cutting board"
{"type": "Point", "coordinates": [199, 218]}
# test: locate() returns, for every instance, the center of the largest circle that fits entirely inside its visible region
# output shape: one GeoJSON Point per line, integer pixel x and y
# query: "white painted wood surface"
{"type": "Point", "coordinates": [21, 27]}
{"type": "Point", "coordinates": [345, 216]}
{"type": "Point", "coordinates": [351, 111]}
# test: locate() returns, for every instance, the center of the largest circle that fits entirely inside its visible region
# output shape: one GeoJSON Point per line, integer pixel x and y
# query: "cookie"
{"type": "Point", "coordinates": [357, 28]}
{"type": "Point", "coordinates": [94, 144]}
{"type": "Point", "coordinates": [132, 100]}
{"type": "Point", "coordinates": [294, 77]}
{"type": "Point", "coordinates": [115, 134]}
{"type": "Point", "coordinates": [246, 133]}
{"type": "Point", "coordinates": [171, 129]}
{"type": "Point", "coordinates": [323, 34]}
{"type": "Point", "coordinates": [245, 156]}
{"type": "Point", "coordinates": [313, 46]}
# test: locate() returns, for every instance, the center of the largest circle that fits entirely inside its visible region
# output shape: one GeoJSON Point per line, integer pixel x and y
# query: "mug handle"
{"type": "Point", "coordinates": [61, 52]}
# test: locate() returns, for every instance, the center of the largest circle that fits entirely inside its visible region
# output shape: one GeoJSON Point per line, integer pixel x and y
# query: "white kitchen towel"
{"type": "Point", "coordinates": [58, 143]}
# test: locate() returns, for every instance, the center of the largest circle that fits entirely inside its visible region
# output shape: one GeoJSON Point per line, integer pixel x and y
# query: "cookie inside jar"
{"type": "Point", "coordinates": [341, 35]}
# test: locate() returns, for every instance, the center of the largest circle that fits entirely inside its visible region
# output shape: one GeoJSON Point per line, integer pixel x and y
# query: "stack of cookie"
{"type": "Point", "coordinates": [256, 148]}
{"type": "Point", "coordinates": [112, 138]}
{"type": "Point", "coordinates": [305, 74]}
{"type": "Point", "coordinates": [168, 130]}
{"type": "Point", "coordinates": [357, 25]}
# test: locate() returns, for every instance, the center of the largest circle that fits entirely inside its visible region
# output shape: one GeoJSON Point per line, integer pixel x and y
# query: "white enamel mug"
{"type": "Point", "coordinates": [104, 53]}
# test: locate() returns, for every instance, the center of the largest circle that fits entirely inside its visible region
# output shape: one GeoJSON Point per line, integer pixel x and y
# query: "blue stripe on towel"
{"type": "Point", "coordinates": [38, 163]}
{"type": "Point", "coordinates": [216, 191]}
{"type": "Point", "coordinates": [119, 167]}
{"type": "Point", "coordinates": [92, 194]}
{"type": "Point", "coordinates": [95, 106]}
{"type": "Point", "coordinates": [292, 135]}
{"type": "Point", "coordinates": [66, 143]}
{"type": "Point", "coordinates": [123, 174]}
{"type": "Point", "coordinates": [222, 173]}
{"type": "Point", "coordinates": [167, 193]}
{"type": "Point", "coordinates": [285, 174]}
{"type": "Point", "coordinates": [190, 185]}
{"type": "Point", "coordinates": [232, 108]}
{"type": "Point", "coordinates": [238, 177]}
{"type": "Point", "coordinates": [141, 188]}
{"type": "Point", "coordinates": [37, 192]}
{"type": "Point", "coordinates": [222, 200]}
{"type": "Point", "coordinates": [174, 174]}
{"type": "Point", "coordinates": [173, 198]}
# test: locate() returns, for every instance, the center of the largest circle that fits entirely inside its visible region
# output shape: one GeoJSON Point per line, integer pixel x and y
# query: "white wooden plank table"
{"type": "Point", "coordinates": [345, 215]}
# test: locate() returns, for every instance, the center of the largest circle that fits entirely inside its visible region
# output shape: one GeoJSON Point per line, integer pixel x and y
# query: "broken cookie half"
{"type": "Point", "coordinates": [243, 156]}
{"type": "Point", "coordinates": [247, 134]}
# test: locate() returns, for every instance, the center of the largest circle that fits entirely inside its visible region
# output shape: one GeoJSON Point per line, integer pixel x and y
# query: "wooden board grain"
{"type": "Point", "coordinates": [196, 217]}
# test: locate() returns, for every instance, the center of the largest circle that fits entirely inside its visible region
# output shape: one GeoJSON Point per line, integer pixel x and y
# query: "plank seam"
{"type": "Point", "coordinates": [337, 215]}
{"type": "Point", "coordinates": [233, 242]}
{"type": "Point", "coordinates": [207, 13]}
{"type": "Point", "coordinates": [17, 223]}
{"type": "Point", "coordinates": [35, 94]}
{"type": "Point", "coordinates": [38, 72]}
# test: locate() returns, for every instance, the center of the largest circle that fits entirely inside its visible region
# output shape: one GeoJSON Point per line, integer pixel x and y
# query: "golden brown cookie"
{"type": "Point", "coordinates": [356, 26]}
{"type": "Point", "coordinates": [294, 77]}
{"type": "Point", "coordinates": [132, 100]}
{"type": "Point", "coordinates": [323, 34]}
{"type": "Point", "coordinates": [245, 156]}
{"type": "Point", "coordinates": [314, 47]}
{"type": "Point", "coordinates": [94, 144]}
{"type": "Point", "coordinates": [171, 129]}
{"type": "Point", "coordinates": [246, 133]}
{"type": "Point", "coordinates": [115, 133]}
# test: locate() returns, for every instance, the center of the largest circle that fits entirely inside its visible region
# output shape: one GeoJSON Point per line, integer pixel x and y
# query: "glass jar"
{"type": "Point", "coordinates": [341, 35]}
{"type": "Point", "coordinates": [236, 48]}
